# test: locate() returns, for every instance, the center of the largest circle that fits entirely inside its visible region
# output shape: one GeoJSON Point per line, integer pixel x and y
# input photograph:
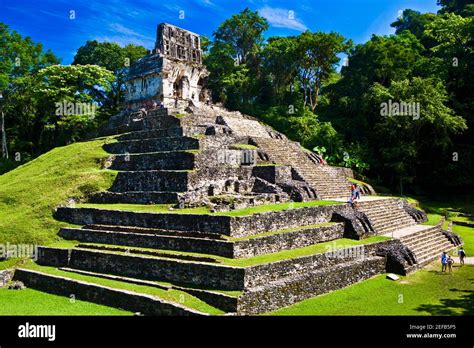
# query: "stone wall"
{"type": "Point", "coordinates": [292, 290]}
{"type": "Point", "coordinates": [196, 273]}
{"type": "Point", "coordinates": [144, 240]}
{"type": "Point", "coordinates": [235, 226]}
{"type": "Point", "coordinates": [262, 274]}
{"type": "Point", "coordinates": [163, 161]}
{"type": "Point", "coordinates": [127, 300]}
{"type": "Point", "coordinates": [278, 220]}
{"type": "Point", "coordinates": [287, 240]}
{"type": "Point", "coordinates": [179, 222]}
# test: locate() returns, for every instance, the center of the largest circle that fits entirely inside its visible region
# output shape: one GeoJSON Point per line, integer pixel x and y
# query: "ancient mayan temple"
{"type": "Point", "coordinates": [207, 204]}
{"type": "Point", "coordinates": [172, 75]}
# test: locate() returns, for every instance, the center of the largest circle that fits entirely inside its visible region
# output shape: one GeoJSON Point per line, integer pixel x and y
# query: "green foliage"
{"type": "Point", "coordinates": [243, 33]}
{"type": "Point", "coordinates": [116, 59]}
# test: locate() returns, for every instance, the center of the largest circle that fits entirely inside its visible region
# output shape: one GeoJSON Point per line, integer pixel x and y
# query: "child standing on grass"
{"type": "Point", "coordinates": [450, 263]}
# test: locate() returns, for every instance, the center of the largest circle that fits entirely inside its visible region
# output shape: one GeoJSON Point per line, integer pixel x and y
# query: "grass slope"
{"type": "Point", "coordinates": [33, 302]}
{"type": "Point", "coordinates": [29, 193]}
{"type": "Point", "coordinates": [426, 292]}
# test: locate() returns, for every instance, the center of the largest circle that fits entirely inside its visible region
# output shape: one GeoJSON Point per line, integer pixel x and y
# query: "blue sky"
{"type": "Point", "coordinates": [135, 21]}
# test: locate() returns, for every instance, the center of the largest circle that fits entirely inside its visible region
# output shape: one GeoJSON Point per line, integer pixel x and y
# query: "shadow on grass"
{"type": "Point", "coordinates": [451, 306]}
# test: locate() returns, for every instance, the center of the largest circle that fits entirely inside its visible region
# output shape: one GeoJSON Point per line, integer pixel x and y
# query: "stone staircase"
{"type": "Point", "coordinates": [386, 215]}
{"type": "Point", "coordinates": [427, 244]}
{"type": "Point", "coordinates": [327, 182]}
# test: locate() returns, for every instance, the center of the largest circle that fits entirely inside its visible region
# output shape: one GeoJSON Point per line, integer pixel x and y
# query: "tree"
{"type": "Point", "coordinates": [461, 7]}
{"type": "Point", "coordinates": [244, 34]}
{"type": "Point", "coordinates": [66, 94]}
{"type": "Point", "coordinates": [416, 23]}
{"type": "Point", "coordinates": [114, 58]}
{"type": "Point", "coordinates": [406, 147]}
{"type": "Point", "coordinates": [20, 60]}
{"type": "Point", "coordinates": [317, 57]}
{"type": "Point", "coordinates": [234, 59]}
{"type": "Point", "coordinates": [280, 65]}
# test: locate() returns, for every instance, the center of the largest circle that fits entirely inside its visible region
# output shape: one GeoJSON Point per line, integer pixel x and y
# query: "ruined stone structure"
{"type": "Point", "coordinates": [208, 157]}
{"type": "Point", "coordinates": [172, 75]}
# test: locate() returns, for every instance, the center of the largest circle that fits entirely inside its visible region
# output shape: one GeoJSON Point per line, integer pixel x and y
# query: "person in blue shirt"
{"type": "Point", "coordinates": [444, 261]}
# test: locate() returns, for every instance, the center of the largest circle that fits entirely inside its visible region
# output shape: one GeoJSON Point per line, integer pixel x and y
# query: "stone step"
{"type": "Point", "coordinates": [388, 228]}
{"type": "Point", "coordinates": [203, 274]}
{"type": "Point", "coordinates": [433, 251]}
{"type": "Point", "coordinates": [128, 122]}
{"type": "Point", "coordinates": [414, 236]}
{"type": "Point", "coordinates": [151, 122]}
{"type": "Point", "coordinates": [432, 256]}
{"type": "Point", "coordinates": [197, 243]}
{"type": "Point", "coordinates": [427, 242]}
{"type": "Point", "coordinates": [212, 224]}
{"type": "Point", "coordinates": [151, 180]}
{"type": "Point", "coordinates": [381, 207]}
{"type": "Point", "coordinates": [297, 288]}
{"type": "Point", "coordinates": [177, 242]}
{"type": "Point", "coordinates": [154, 231]}
{"type": "Point", "coordinates": [176, 160]}
{"type": "Point", "coordinates": [139, 251]}
{"type": "Point", "coordinates": [135, 197]}
{"type": "Point", "coordinates": [397, 220]}
{"type": "Point", "coordinates": [422, 237]}
{"type": "Point", "coordinates": [392, 215]}
{"type": "Point", "coordinates": [224, 302]}
{"type": "Point", "coordinates": [431, 248]}
{"type": "Point", "coordinates": [156, 133]}
{"type": "Point", "coordinates": [221, 224]}
{"type": "Point", "coordinates": [152, 145]}
{"type": "Point", "coordinates": [104, 295]}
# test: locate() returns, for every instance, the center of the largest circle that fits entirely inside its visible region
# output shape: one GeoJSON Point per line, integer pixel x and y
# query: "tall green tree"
{"type": "Point", "coordinates": [317, 57]}
{"type": "Point", "coordinates": [114, 58]}
{"type": "Point", "coordinates": [234, 59]}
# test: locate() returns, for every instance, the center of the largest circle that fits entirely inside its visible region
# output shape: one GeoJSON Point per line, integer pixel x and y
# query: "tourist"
{"type": "Point", "coordinates": [461, 255]}
{"type": "Point", "coordinates": [450, 263]}
{"type": "Point", "coordinates": [353, 200]}
{"type": "Point", "coordinates": [444, 261]}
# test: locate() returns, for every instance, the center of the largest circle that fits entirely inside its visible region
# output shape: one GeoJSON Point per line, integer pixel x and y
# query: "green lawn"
{"type": "Point", "coordinates": [33, 302]}
{"type": "Point", "coordinates": [426, 292]}
{"type": "Point", "coordinates": [29, 193]}
{"type": "Point", "coordinates": [467, 235]}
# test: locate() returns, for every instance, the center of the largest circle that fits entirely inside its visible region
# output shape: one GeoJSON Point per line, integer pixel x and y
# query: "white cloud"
{"type": "Point", "coordinates": [121, 29]}
{"type": "Point", "coordinates": [124, 41]}
{"type": "Point", "coordinates": [282, 18]}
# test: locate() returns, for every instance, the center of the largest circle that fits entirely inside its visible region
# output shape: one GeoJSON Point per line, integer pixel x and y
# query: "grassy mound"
{"type": "Point", "coordinates": [29, 193]}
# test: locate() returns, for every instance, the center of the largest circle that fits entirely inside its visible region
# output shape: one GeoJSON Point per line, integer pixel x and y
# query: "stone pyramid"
{"type": "Point", "coordinates": [223, 213]}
